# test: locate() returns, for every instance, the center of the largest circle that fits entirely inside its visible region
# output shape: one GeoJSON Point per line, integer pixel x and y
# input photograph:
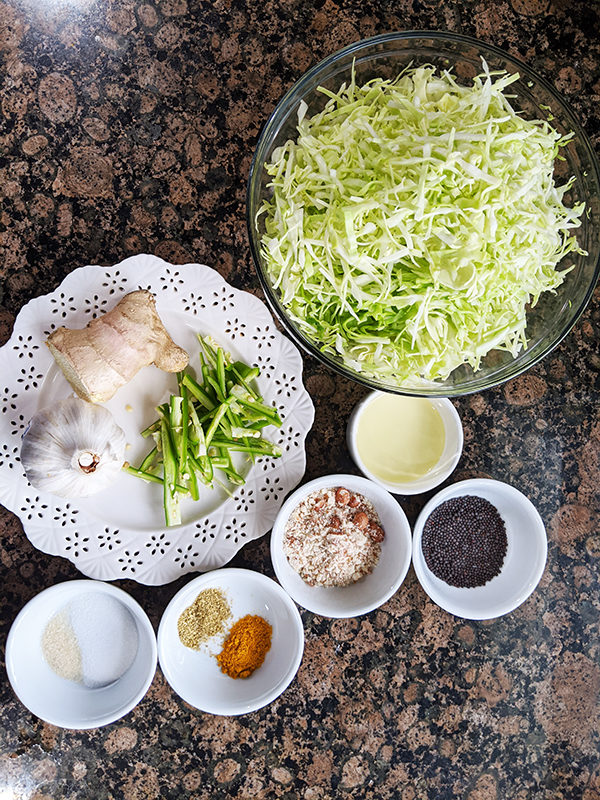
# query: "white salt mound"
{"type": "Point", "coordinates": [93, 640]}
{"type": "Point", "coordinates": [107, 636]}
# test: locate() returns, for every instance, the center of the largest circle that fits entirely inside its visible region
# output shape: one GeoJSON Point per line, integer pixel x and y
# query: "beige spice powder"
{"type": "Point", "coordinates": [61, 649]}
{"type": "Point", "coordinates": [206, 617]}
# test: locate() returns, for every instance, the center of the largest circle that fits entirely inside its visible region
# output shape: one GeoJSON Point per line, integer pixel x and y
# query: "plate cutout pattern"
{"type": "Point", "coordinates": [199, 297]}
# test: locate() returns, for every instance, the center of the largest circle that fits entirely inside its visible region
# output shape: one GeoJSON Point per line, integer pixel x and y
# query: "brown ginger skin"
{"type": "Point", "coordinates": [100, 358]}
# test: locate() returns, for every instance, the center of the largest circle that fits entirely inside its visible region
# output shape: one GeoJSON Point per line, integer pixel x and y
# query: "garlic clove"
{"type": "Point", "coordinates": [73, 449]}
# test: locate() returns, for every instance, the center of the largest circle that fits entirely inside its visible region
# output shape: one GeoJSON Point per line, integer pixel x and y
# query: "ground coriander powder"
{"type": "Point", "coordinates": [205, 618]}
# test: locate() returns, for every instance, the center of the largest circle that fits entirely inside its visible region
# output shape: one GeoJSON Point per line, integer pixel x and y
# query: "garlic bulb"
{"type": "Point", "coordinates": [73, 449]}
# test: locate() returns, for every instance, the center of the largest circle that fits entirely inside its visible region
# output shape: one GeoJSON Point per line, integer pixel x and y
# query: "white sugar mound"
{"type": "Point", "coordinates": [93, 640]}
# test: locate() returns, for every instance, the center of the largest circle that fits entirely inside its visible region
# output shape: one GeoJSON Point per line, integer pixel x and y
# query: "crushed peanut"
{"type": "Point", "coordinates": [333, 537]}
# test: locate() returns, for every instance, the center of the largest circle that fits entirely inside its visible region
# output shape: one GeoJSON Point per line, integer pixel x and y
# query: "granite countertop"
{"type": "Point", "coordinates": [128, 126]}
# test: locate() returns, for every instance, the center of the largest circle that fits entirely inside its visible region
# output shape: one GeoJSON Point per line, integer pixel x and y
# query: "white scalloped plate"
{"type": "Point", "coordinates": [120, 533]}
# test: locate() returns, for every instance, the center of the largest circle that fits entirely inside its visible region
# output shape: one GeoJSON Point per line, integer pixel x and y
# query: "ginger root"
{"type": "Point", "coordinates": [99, 359]}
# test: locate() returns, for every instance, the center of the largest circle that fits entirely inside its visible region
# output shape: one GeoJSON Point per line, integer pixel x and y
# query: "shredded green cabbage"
{"type": "Point", "coordinates": [414, 220]}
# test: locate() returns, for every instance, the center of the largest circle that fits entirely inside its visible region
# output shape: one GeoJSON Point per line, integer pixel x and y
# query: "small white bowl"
{"type": "Point", "coordinates": [446, 463]}
{"type": "Point", "coordinates": [195, 674]}
{"type": "Point", "coordinates": [371, 591]}
{"type": "Point", "coordinates": [66, 703]}
{"type": "Point", "coordinates": [524, 563]}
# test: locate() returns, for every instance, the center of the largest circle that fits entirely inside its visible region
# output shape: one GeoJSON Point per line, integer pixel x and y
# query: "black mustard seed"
{"type": "Point", "coordinates": [464, 541]}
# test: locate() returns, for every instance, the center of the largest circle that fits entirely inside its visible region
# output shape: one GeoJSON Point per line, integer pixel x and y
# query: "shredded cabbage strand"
{"type": "Point", "coordinates": [413, 221]}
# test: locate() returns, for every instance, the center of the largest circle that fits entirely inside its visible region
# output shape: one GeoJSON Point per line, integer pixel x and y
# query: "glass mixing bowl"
{"type": "Point", "coordinates": [386, 56]}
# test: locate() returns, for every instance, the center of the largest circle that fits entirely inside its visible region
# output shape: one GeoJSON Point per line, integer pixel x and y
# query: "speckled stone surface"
{"type": "Point", "coordinates": [128, 126]}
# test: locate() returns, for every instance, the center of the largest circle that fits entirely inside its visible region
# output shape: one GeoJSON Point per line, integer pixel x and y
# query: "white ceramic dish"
{"type": "Point", "coordinates": [371, 591]}
{"type": "Point", "coordinates": [195, 674]}
{"type": "Point", "coordinates": [446, 463]}
{"type": "Point", "coordinates": [120, 532]}
{"type": "Point", "coordinates": [523, 565]}
{"type": "Point", "coordinates": [63, 702]}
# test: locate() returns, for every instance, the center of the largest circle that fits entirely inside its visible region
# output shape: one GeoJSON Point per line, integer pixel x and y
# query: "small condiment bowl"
{"type": "Point", "coordinates": [523, 564]}
{"type": "Point", "coordinates": [63, 702]}
{"type": "Point", "coordinates": [369, 592]}
{"type": "Point", "coordinates": [438, 473]}
{"type": "Point", "coordinates": [195, 675]}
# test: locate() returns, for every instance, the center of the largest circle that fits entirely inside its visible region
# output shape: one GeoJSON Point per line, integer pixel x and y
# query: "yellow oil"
{"type": "Point", "coordinates": [400, 439]}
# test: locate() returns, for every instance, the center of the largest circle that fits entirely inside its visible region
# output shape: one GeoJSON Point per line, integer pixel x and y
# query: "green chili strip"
{"type": "Point", "coordinates": [200, 428]}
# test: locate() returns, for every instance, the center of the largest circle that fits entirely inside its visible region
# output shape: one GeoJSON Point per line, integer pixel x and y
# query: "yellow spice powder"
{"type": "Point", "coordinates": [246, 646]}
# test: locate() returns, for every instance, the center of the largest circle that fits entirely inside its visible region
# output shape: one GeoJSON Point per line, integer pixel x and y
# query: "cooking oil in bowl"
{"type": "Point", "coordinates": [407, 444]}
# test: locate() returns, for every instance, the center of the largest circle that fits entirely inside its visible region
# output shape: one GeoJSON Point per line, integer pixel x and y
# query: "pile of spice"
{"type": "Point", "coordinates": [245, 647]}
{"type": "Point", "coordinates": [333, 537]}
{"type": "Point", "coordinates": [464, 541]}
{"type": "Point", "coordinates": [206, 617]}
{"type": "Point", "coordinates": [93, 640]}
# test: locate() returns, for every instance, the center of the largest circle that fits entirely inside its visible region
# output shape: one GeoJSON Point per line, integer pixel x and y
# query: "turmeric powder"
{"type": "Point", "coordinates": [245, 647]}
